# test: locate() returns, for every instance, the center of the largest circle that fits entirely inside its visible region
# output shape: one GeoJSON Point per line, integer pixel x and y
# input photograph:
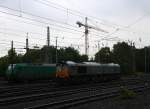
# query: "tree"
{"type": "Point", "coordinates": [65, 54]}
{"type": "Point", "coordinates": [104, 55]}
{"type": "Point", "coordinates": [71, 54]}
{"type": "Point", "coordinates": [32, 56]}
{"type": "Point", "coordinates": [3, 65]}
{"type": "Point", "coordinates": [122, 54]}
{"type": "Point", "coordinates": [140, 60]}
{"type": "Point", "coordinates": [83, 58]}
{"type": "Point", "coordinates": [48, 54]}
{"type": "Point", "coordinates": [61, 54]}
{"type": "Point", "coordinates": [11, 58]}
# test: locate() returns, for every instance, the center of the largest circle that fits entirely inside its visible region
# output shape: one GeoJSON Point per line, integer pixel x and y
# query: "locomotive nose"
{"type": "Point", "coordinates": [62, 72]}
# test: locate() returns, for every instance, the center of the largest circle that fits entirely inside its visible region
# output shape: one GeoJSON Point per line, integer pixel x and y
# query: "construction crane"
{"type": "Point", "coordinates": [87, 27]}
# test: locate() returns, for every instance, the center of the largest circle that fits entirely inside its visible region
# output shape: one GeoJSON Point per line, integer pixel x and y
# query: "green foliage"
{"type": "Point", "coordinates": [71, 54]}
{"type": "Point", "coordinates": [33, 56]}
{"type": "Point", "coordinates": [125, 93]}
{"type": "Point", "coordinates": [122, 54]}
{"type": "Point", "coordinates": [125, 55]}
{"type": "Point", "coordinates": [3, 65]}
{"type": "Point", "coordinates": [48, 55]}
{"type": "Point", "coordinates": [12, 57]}
{"type": "Point", "coordinates": [44, 55]}
{"type": "Point", "coordinates": [104, 55]}
{"type": "Point", "coordinates": [83, 58]}
{"type": "Point", "coordinates": [140, 59]}
{"type": "Point", "coordinates": [138, 74]}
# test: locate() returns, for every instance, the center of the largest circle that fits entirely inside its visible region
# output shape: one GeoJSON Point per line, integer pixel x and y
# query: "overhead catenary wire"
{"type": "Point", "coordinates": [36, 38]}
{"type": "Point", "coordinates": [43, 39]}
{"type": "Point", "coordinates": [9, 18]}
{"type": "Point", "coordinates": [138, 20]}
{"type": "Point", "coordinates": [37, 20]}
{"type": "Point", "coordinates": [41, 18]}
{"type": "Point", "coordinates": [33, 38]}
{"type": "Point", "coordinates": [93, 34]}
{"type": "Point", "coordinates": [120, 29]}
{"type": "Point", "coordinates": [5, 40]}
{"type": "Point", "coordinates": [75, 12]}
{"type": "Point", "coordinates": [33, 15]}
{"type": "Point", "coordinates": [45, 22]}
{"type": "Point", "coordinates": [9, 29]}
{"type": "Point", "coordinates": [64, 31]}
{"type": "Point", "coordinates": [38, 25]}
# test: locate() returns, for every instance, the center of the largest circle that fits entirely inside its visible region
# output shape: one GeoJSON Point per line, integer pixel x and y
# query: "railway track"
{"type": "Point", "coordinates": [48, 88]}
{"type": "Point", "coordinates": [50, 91]}
{"type": "Point", "coordinates": [33, 101]}
{"type": "Point", "coordinates": [6, 85]}
{"type": "Point", "coordinates": [63, 104]}
{"type": "Point", "coordinates": [31, 96]}
{"type": "Point", "coordinates": [59, 100]}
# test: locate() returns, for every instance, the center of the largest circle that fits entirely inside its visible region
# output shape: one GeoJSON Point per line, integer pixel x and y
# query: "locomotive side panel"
{"type": "Point", "coordinates": [23, 72]}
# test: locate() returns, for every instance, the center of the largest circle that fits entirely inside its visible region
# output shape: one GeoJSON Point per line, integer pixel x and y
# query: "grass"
{"type": "Point", "coordinates": [139, 73]}
{"type": "Point", "coordinates": [136, 74]}
{"type": "Point", "coordinates": [125, 93]}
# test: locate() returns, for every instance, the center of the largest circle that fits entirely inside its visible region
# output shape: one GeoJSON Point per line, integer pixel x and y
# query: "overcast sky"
{"type": "Point", "coordinates": [124, 19]}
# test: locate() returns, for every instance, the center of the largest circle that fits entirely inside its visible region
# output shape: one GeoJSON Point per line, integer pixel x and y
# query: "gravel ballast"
{"type": "Point", "coordinates": [140, 101]}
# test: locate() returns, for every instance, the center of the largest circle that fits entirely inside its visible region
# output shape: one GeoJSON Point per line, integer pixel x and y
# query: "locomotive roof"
{"type": "Point", "coordinates": [26, 64]}
{"type": "Point", "coordinates": [70, 63]}
{"type": "Point", "coordinates": [91, 63]}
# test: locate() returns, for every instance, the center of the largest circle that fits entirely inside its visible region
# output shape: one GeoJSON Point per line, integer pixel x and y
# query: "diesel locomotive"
{"type": "Point", "coordinates": [87, 71]}
{"type": "Point", "coordinates": [69, 71]}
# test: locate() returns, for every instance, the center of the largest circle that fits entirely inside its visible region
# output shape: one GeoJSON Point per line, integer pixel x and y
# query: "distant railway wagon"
{"type": "Point", "coordinates": [22, 72]}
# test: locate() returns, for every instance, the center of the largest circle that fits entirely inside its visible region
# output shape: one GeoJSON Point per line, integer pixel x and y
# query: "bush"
{"type": "Point", "coordinates": [3, 65]}
{"type": "Point", "coordinates": [126, 93]}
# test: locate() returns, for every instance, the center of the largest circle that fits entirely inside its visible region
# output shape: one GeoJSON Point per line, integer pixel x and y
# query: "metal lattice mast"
{"type": "Point", "coordinates": [87, 27]}
{"type": "Point", "coordinates": [86, 37]}
{"type": "Point", "coordinates": [27, 44]}
{"type": "Point", "coordinates": [48, 36]}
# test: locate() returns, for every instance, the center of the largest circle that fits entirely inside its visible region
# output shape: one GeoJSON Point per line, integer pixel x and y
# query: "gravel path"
{"type": "Point", "coordinates": [141, 101]}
